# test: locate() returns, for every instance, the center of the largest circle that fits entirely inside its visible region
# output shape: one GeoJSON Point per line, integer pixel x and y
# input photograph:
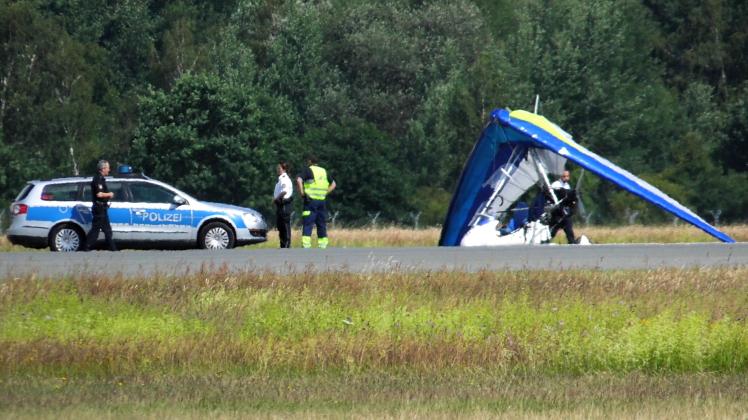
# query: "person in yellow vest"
{"type": "Point", "coordinates": [314, 184]}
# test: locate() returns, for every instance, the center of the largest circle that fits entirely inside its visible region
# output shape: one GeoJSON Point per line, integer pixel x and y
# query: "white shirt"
{"type": "Point", "coordinates": [284, 187]}
{"type": "Point", "coordinates": [558, 184]}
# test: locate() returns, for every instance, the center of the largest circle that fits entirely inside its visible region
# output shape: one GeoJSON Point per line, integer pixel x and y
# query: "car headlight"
{"type": "Point", "coordinates": [252, 218]}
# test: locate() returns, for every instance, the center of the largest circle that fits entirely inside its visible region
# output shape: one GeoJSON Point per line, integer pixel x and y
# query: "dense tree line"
{"type": "Point", "coordinates": [390, 95]}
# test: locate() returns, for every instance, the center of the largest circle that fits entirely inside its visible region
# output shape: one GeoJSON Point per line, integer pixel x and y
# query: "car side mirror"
{"type": "Point", "coordinates": [179, 200]}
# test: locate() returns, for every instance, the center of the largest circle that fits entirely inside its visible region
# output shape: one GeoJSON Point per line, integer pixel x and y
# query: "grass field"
{"type": "Point", "coordinates": [435, 344]}
{"type": "Point", "coordinates": [400, 237]}
{"type": "Point", "coordinates": [378, 395]}
{"type": "Point", "coordinates": [403, 237]}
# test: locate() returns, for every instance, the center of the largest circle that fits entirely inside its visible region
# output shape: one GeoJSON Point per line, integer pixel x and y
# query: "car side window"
{"type": "Point", "coordinates": [148, 193]}
{"type": "Point", "coordinates": [24, 192]}
{"type": "Point", "coordinates": [115, 187]}
{"type": "Point", "coordinates": [60, 192]}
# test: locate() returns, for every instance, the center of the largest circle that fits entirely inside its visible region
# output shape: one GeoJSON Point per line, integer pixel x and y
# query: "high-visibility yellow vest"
{"type": "Point", "coordinates": [316, 188]}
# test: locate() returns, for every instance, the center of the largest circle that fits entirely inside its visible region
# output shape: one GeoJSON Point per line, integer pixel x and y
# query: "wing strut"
{"type": "Point", "coordinates": [505, 177]}
{"type": "Point", "coordinates": [543, 175]}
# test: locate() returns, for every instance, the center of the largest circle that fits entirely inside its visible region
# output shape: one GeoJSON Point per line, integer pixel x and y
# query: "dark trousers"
{"type": "Point", "coordinates": [315, 213]}
{"type": "Point", "coordinates": [100, 223]}
{"type": "Point", "coordinates": [283, 222]}
{"type": "Point", "coordinates": [565, 224]}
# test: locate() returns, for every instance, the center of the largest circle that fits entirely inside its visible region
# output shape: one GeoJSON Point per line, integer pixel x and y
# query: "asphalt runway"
{"type": "Point", "coordinates": [364, 260]}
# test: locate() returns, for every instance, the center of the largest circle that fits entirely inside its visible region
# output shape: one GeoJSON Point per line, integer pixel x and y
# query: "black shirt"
{"type": "Point", "coordinates": [98, 184]}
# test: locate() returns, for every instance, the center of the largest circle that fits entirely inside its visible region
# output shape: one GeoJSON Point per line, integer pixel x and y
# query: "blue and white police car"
{"type": "Point", "coordinates": [143, 213]}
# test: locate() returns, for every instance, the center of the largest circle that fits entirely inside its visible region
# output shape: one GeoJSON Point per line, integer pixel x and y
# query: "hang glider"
{"type": "Point", "coordinates": [516, 151]}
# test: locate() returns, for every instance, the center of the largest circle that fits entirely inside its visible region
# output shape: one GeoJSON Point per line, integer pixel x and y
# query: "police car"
{"type": "Point", "coordinates": [143, 213]}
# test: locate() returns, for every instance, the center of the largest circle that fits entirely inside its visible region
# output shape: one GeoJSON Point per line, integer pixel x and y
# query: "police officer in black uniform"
{"type": "Point", "coordinates": [561, 215]}
{"type": "Point", "coordinates": [100, 197]}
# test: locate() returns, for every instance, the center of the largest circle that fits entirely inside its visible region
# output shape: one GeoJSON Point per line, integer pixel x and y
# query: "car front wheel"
{"type": "Point", "coordinates": [65, 238]}
{"type": "Point", "coordinates": [216, 235]}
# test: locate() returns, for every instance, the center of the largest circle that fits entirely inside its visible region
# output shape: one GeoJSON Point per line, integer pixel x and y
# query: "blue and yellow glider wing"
{"type": "Point", "coordinates": [503, 148]}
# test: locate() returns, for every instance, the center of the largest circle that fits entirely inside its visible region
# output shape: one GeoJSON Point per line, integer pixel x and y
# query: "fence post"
{"type": "Point", "coordinates": [333, 217]}
{"type": "Point", "coordinates": [374, 218]}
{"type": "Point", "coordinates": [588, 217]}
{"type": "Point", "coordinates": [415, 217]}
{"type": "Point", "coordinates": [631, 215]}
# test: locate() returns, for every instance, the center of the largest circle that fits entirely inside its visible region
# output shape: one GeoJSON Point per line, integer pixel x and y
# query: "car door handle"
{"type": "Point", "coordinates": [139, 212]}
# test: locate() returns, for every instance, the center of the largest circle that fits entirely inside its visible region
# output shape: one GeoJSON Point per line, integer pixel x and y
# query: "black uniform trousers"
{"type": "Point", "coordinates": [100, 223]}
{"type": "Point", "coordinates": [565, 224]}
{"type": "Point", "coordinates": [283, 222]}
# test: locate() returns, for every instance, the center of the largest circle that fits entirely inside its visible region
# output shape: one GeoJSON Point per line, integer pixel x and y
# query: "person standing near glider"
{"type": "Point", "coordinates": [314, 184]}
{"type": "Point", "coordinates": [562, 215]}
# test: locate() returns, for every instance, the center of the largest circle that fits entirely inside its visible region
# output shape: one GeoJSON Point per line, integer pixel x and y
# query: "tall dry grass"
{"type": "Point", "coordinates": [6, 246]}
{"type": "Point", "coordinates": [366, 237]}
{"type": "Point", "coordinates": [658, 234]}
{"type": "Point", "coordinates": [405, 237]}
{"type": "Point", "coordinates": [476, 394]}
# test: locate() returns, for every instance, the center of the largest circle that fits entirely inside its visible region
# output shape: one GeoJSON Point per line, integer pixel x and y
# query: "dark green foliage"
{"type": "Point", "coordinates": [364, 163]}
{"type": "Point", "coordinates": [703, 41]}
{"type": "Point", "coordinates": [50, 97]}
{"type": "Point", "coordinates": [391, 95]}
{"type": "Point", "coordinates": [433, 204]}
{"type": "Point", "coordinates": [298, 69]}
{"type": "Point", "coordinates": [393, 55]}
{"type": "Point", "coordinates": [213, 138]}
{"type": "Point", "coordinates": [734, 149]}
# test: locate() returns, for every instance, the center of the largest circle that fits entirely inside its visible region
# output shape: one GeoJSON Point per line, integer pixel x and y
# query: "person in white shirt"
{"type": "Point", "coordinates": [562, 216]}
{"type": "Point", "coordinates": [562, 182]}
{"type": "Point", "coordinates": [282, 200]}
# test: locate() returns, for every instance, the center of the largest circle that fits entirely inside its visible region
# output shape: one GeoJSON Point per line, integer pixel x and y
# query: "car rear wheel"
{"type": "Point", "coordinates": [66, 238]}
{"type": "Point", "coordinates": [216, 235]}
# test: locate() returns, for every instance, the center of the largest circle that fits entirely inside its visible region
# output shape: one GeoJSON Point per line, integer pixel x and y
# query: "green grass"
{"type": "Point", "coordinates": [67, 317]}
{"type": "Point", "coordinates": [579, 343]}
{"type": "Point", "coordinates": [668, 321]}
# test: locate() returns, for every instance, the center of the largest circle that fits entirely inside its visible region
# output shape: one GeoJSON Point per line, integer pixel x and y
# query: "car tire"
{"type": "Point", "coordinates": [66, 238]}
{"type": "Point", "coordinates": [216, 235]}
